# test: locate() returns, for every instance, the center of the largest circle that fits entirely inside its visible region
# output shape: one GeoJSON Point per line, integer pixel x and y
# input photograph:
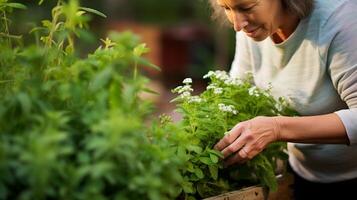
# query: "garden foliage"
{"type": "Point", "coordinates": [208, 116]}
{"type": "Point", "coordinates": [73, 128]}
{"type": "Point", "coordinates": [76, 128]}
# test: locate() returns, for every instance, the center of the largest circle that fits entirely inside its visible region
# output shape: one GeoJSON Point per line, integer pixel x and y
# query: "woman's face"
{"type": "Point", "coordinates": [259, 19]}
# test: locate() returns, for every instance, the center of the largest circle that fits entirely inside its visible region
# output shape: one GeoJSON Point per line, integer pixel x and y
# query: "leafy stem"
{"type": "Point", "coordinates": [7, 32]}
{"type": "Point", "coordinates": [56, 12]}
{"type": "Point", "coordinates": [135, 69]}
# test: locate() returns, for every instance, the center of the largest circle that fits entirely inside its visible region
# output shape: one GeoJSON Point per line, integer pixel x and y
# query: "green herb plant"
{"type": "Point", "coordinates": [207, 117]}
{"type": "Point", "coordinates": [73, 128]}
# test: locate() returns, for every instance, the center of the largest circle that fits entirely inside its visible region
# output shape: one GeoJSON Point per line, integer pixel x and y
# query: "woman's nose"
{"type": "Point", "coordinates": [239, 21]}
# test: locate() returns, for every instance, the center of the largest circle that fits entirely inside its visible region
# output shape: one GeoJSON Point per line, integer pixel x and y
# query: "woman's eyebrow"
{"type": "Point", "coordinates": [238, 4]}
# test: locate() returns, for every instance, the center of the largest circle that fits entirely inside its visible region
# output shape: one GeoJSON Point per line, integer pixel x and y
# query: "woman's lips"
{"type": "Point", "coordinates": [252, 32]}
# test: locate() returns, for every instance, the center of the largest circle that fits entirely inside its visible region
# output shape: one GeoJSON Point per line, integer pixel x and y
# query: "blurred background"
{"type": "Point", "coordinates": [184, 41]}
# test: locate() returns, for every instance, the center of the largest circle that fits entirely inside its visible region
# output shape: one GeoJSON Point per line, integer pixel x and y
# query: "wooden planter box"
{"type": "Point", "coordinates": [258, 193]}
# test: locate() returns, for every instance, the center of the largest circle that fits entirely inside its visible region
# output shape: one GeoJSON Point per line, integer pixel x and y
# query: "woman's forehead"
{"type": "Point", "coordinates": [235, 2]}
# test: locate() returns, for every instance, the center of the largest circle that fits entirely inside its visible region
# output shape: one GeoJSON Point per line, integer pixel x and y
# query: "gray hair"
{"type": "Point", "coordinates": [302, 8]}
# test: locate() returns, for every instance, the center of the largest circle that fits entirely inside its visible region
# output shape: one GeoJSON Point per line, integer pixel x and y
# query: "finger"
{"type": "Point", "coordinates": [253, 149]}
{"type": "Point", "coordinates": [233, 147]}
{"type": "Point", "coordinates": [240, 157]}
{"type": "Point", "coordinates": [229, 138]}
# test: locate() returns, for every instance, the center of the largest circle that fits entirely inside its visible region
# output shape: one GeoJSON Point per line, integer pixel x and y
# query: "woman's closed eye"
{"type": "Point", "coordinates": [246, 9]}
{"type": "Point", "coordinates": [240, 9]}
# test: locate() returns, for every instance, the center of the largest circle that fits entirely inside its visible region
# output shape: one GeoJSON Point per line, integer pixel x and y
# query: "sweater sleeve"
{"type": "Point", "coordinates": [342, 64]}
{"type": "Point", "coordinates": [242, 58]}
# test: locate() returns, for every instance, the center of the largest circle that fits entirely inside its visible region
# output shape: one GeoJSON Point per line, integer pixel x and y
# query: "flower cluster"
{"type": "Point", "coordinates": [224, 77]}
{"type": "Point", "coordinates": [253, 91]}
{"type": "Point", "coordinates": [185, 92]}
{"type": "Point", "coordinates": [227, 108]}
{"type": "Point", "coordinates": [195, 99]}
{"type": "Point", "coordinates": [216, 90]}
{"type": "Point", "coordinates": [187, 81]}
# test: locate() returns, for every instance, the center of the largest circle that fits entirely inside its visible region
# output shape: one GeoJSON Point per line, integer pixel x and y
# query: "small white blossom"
{"type": "Point", "coordinates": [218, 90]}
{"type": "Point", "coordinates": [224, 77]}
{"type": "Point", "coordinates": [212, 86]}
{"type": "Point", "coordinates": [233, 81]}
{"type": "Point", "coordinates": [279, 107]}
{"type": "Point", "coordinates": [229, 108]}
{"type": "Point", "coordinates": [253, 91]}
{"type": "Point", "coordinates": [209, 74]}
{"type": "Point", "coordinates": [221, 75]}
{"type": "Point", "coordinates": [178, 88]}
{"type": "Point", "coordinates": [195, 99]}
{"type": "Point", "coordinates": [182, 89]}
{"type": "Point", "coordinates": [185, 95]}
{"type": "Point", "coordinates": [187, 81]}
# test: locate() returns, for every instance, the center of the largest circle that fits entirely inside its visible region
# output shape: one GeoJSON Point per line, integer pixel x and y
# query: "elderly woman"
{"type": "Point", "coordinates": [307, 51]}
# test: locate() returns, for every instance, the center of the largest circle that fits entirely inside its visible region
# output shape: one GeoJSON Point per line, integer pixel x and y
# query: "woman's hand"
{"type": "Point", "coordinates": [248, 138]}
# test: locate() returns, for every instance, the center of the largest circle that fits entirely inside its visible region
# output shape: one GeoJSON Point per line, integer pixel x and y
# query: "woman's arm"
{"type": "Point", "coordinates": [249, 138]}
{"type": "Point", "coordinates": [313, 129]}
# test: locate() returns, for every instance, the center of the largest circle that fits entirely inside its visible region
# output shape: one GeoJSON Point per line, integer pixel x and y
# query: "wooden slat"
{"type": "Point", "coordinates": [250, 193]}
{"type": "Point", "coordinates": [257, 193]}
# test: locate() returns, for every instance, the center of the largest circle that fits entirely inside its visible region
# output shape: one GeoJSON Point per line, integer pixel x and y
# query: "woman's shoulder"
{"type": "Point", "coordinates": [333, 11]}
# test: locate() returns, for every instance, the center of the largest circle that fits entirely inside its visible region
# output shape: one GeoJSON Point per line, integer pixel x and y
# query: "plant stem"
{"type": "Point", "coordinates": [7, 32]}
{"type": "Point", "coordinates": [135, 70]}
{"type": "Point", "coordinates": [55, 16]}
{"type": "Point", "coordinates": [11, 36]}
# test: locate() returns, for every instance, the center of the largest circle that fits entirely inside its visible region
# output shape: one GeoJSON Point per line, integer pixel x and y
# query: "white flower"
{"type": "Point", "coordinates": [221, 106]}
{"type": "Point", "coordinates": [209, 74]}
{"type": "Point", "coordinates": [253, 91]}
{"type": "Point", "coordinates": [221, 75]}
{"type": "Point", "coordinates": [187, 81]}
{"type": "Point", "coordinates": [185, 95]}
{"type": "Point", "coordinates": [212, 86]}
{"type": "Point", "coordinates": [279, 107]}
{"type": "Point", "coordinates": [177, 89]}
{"type": "Point", "coordinates": [218, 90]}
{"type": "Point", "coordinates": [233, 81]}
{"type": "Point", "coordinates": [186, 88]}
{"type": "Point", "coordinates": [228, 109]}
{"type": "Point", "coordinates": [195, 99]}
{"type": "Point", "coordinates": [182, 89]}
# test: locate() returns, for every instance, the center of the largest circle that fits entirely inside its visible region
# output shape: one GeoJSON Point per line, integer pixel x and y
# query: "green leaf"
{"type": "Point", "coordinates": [190, 167]}
{"type": "Point", "coordinates": [101, 79]}
{"type": "Point", "coordinates": [90, 10]}
{"type": "Point", "coordinates": [47, 24]}
{"type": "Point", "coordinates": [146, 63]}
{"type": "Point", "coordinates": [25, 102]}
{"type": "Point", "coordinates": [187, 187]}
{"type": "Point", "coordinates": [148, 90]}
{"type": "Point", "coordinates": [140, 50]}
{"type": "Point", "coordinates": [16, 5]}
{"type": "Point", "coordinates": [199, 173]}
{"type": "Point", "coordinates": [215, 152]}
{"type": "Point", "coordinates": [194, 148]}
{"type": "Point", "coordinates": [213, 170]}
{"type": "Point", "coordinates": [214, 158]}
{"type": "Point", "coordinates": [206, 160]}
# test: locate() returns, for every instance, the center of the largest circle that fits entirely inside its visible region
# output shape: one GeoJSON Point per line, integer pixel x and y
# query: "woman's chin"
{"type": "Point", "coordinates": [258, 36]}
